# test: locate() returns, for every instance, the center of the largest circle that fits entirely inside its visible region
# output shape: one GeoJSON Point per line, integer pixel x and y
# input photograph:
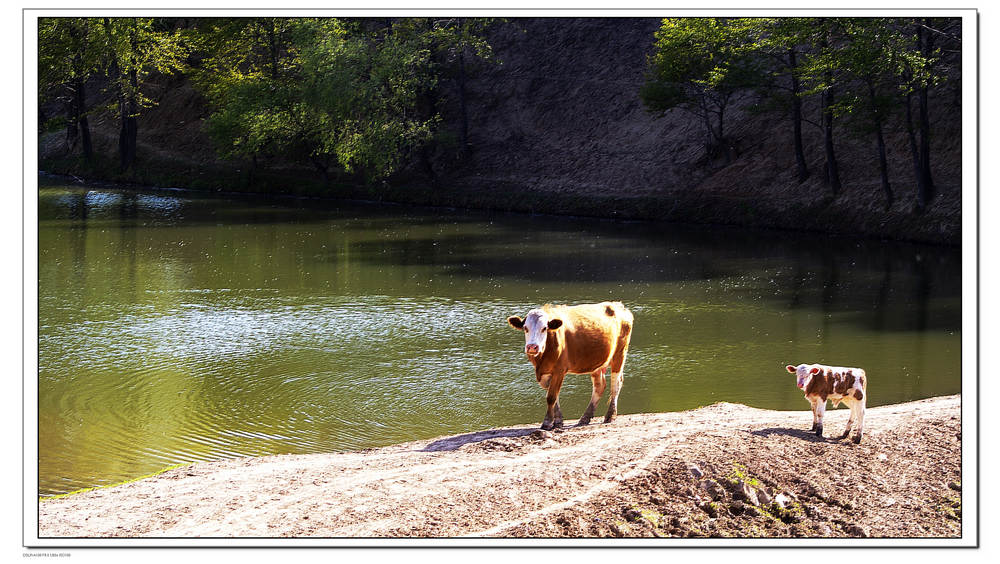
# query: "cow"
{"type": "Point", "coordinates": [581, 339]}
{"type": "Point", "coordinates": [837, 384]}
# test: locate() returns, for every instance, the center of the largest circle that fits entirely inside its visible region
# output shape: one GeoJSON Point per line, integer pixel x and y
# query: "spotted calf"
{"type": "Point", "coordinates": [837, 384]}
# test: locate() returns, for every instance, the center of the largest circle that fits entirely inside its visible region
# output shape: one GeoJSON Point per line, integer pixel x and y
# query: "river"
{"type": "Point", "coordinates": [178, 327]}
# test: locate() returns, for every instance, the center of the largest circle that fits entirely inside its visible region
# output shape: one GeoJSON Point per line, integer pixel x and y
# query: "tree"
{"type": "Point", "coordinates": [867, 53]}
{"type": "Point", "coordinates": [320, 90]}
{"type": "Point", "coordinates": [132, 49]}
{"type": "Point", "coordinates": [700, 65]}
{"type": "Point", "coordinates": [358, 96]}
{"type": "Point", "coordinates": [821, 72]}
{"type": "Point", "coordinates": [918, 68]}
{"type": "Point", "coordinates": [67, 58]}
{"type": "Point", "coordinates": [782, 40]}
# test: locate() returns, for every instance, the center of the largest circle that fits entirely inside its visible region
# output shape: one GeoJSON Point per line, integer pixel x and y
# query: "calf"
{"type": "Point", "coordinates": [582, 339]}
{"type": "Point", "coordinates": [838, 384]}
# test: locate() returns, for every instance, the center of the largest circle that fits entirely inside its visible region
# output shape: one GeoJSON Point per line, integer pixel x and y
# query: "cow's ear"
{"type": "Point", "coordinates": [790, 368]}
{"type": "Point", "coordinates": [814, 370]}
{"type": "Point", "coordinates": [555, 323]}
{"type": "Point", "coordinates": [516, 322]}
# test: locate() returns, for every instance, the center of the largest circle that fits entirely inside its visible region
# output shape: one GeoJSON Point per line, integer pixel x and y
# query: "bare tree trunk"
{"type": "Point", "coordinates": [463, 109]}
{"type": "Point", "coordinates": [324, 170]}
{"type": "Point", "coordinates": [127, 104]}
{"type": "Point", "coordinates": [927, 48]}
{"type": "Point", "coordinates": [915, 155]}
{"type": "Point", "coordinates": [880, 140]}
{"type": "Point", "coordinates": [82, 123]}
{"type": "Point", "coordinates": [832, 170]}
{"type": "Point", "coordinates": [800, 156]}
{"type": "Point", "coordinates": [71, 127]}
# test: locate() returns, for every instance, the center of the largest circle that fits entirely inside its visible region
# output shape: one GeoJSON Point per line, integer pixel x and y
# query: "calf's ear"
{"type": "Point", "coordinates": [814, 370]}
{"type": "Point", "coordinates": [555, 323]}
{"type": "Point", "coordinates": [790, 368]}
{"type": "Point", "coordinates": [516, 322]}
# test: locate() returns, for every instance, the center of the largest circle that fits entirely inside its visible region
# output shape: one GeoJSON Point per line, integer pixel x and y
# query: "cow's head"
{"type": "Point", "coordinates": [803, 373]}
{"type": "Point", "coordinates": [536, 326]}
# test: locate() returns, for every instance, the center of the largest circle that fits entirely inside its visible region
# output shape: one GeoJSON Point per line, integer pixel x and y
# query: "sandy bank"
{"type": "Point", "coordinates": [662, 474]}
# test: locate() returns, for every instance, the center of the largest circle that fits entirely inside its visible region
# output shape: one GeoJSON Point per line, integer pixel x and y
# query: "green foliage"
{"type": "Point", "coordinates": [698, 65]}
{"type": "Point", "coordinates": [68, 50]}
{"type": "Point", "coordinates": [695, 59]}
{"type": "Point", "coordinates": [132, 49]}
{"type": "Point", "coordinates": [328, 91]}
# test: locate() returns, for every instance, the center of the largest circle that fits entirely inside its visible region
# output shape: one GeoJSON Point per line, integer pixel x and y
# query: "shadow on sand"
{"type": "Point", "coordinates": [453, 443]}
{"type": "Point", "coordinates": [803, 434]}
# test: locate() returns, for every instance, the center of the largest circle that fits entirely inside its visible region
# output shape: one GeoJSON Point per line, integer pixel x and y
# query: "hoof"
{"type": "Point", "coordinates": [546, 426]}
{"type": "Point", "coordinates": [819, 431]}
{"type": "Point", "coordinates": [583, 422]}
{"type": "Point", "coordinates": [845, 435]}
{"type": "Point", "coordinates": [857, 439]}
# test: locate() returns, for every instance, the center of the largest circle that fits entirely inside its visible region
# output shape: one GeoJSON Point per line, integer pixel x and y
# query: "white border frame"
{"type": "Point", "coordinates": [970, 297]}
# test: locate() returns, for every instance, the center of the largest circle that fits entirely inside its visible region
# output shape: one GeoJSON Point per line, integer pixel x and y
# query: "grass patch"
{"type": "Point", "coordinates": [739, 474]}
{"type": "Point", "coordinates": [950, 507]}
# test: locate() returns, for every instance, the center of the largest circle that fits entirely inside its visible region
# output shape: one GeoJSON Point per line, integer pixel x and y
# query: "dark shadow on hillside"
{"type": "Point", "coordinates": [453, 443]}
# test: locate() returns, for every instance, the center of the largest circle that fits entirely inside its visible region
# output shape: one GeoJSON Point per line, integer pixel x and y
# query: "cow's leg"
{"type": "Point", "coordinates": [617, 379]}
{"type": "Point", "coordinates": [820, 410]}
{"type": "Point", "coordinates": [861, 421]}
{"type": "Point", "coordinates": [616, 388]}
{"type": "Point", "coordinates": [599, 383]}
{"type": "Point", "coordinates": [553, 415]}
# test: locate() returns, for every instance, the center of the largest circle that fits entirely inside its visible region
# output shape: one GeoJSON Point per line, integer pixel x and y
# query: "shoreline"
{"type": "Point", "coordinates": [722, 470]}
{"type": "Point", "coordinates": [575, 206]}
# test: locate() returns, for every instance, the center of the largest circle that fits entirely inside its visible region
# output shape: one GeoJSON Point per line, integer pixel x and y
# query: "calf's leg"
{"type": "Point", "coordinates": [820, 410]}
{"type": "Point", "coordinates": [599, 382]}
{"type": "Point", "coordinates": [861, 421]}
{"type": "Point", "coordinates": [850, 419]}
{"type": "Point", "coordinates": [813, 403]}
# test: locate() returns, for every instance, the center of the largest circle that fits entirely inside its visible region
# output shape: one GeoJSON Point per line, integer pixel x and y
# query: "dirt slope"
{"type": "Point", "coordinates": [666, 474]}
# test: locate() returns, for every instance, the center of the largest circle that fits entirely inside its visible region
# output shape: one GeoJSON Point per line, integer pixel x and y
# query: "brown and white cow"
{"type": "Point", "coordinates": [837, 384]}
{"type": "Point", "coordinates": [581, 339]}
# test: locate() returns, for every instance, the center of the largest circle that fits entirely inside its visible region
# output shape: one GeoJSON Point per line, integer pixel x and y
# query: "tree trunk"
{"type": "Point", "coordinates": [721, 137]}
{"type": "Point", "coordinates": [832, 170]}
{"type": "Point", "coordinates": [71, 127]}
{"type": "Point", "coordinates": [129, 133]}
{"type": "Point", "coordinates": [128, 107]}
{"type": "Point", "coordinates": [324, 170]}
{"type": "Point", "coordinates": [927, 48]}
{"type": "Point", "coordinates": [915, 155]}
{"type": "Point", "coordinates": [464, 113]}
{"type": "Point", "coordinates": [880, 140]}
{"type": "Point", "coordinates": [800, 156]}
{"type": "Point", "coordinates": [81, 120]}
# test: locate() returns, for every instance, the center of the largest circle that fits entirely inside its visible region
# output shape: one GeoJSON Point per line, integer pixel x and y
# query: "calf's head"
{"type": "Point", "coordinates": [536, 326]}
{"type": "Point", "coordinates": [803, 373]}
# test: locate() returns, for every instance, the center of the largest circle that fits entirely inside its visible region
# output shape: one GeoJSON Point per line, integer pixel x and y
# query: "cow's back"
{"type": "Point", "coordinates": [591, 334]}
